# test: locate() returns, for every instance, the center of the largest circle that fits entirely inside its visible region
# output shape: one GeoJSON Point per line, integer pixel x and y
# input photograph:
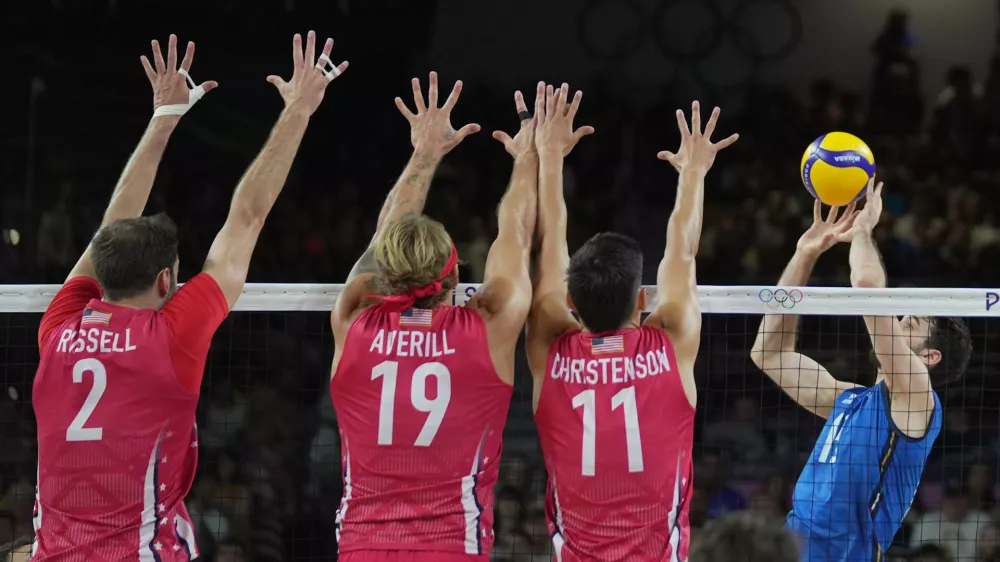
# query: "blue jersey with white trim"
{"type": "Point", "coordinates": [860, 480]}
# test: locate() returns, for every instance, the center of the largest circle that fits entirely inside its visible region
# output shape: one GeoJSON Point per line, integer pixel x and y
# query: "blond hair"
{"type": "Point", "coordinates": [410, 254]}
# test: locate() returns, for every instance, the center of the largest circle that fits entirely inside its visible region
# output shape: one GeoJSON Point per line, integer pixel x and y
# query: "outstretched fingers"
{"type": "Point", "coordinates": [456, 91]}
{"type": "Point", "coordinates": [432, 91]}
{"type": "Point", "coordinates": [466, 131]}
{"type": "Point", "coordinates": [682, 125]}
{"type": "Point", "coordinates": [695, 118]}
{"type": "Point", "coordinates": [539, 115]}
{"type": "Point", "coordinates": [172, 53]}
{"type": "Point", "coordinates": [150, 73]}
{"type": "Point", "coordinates": [188, 57]}
{"type": "Point", "coordinates": [418, 96]}
{"type": "Point", "coordinates": [310, 56]}
{"type": "Point", "coordinates": [817, 211]}
{"type": "Point", "coordinates": [582, 132]}
{"type": "Point", "coordinates": [519, 104]}
{"type": "Point", "coordinates": [161, 67]}
{"type": "Point", "coordinates": [297, 56]}
{"type": "Point", "coordinates": [726, 142]}
{"type": "Point", "coordinates": [575, 105]}
{"type": "Point", "coordinates": [712, 121]}
{"type": "Point", "coordinates": [401, 106]}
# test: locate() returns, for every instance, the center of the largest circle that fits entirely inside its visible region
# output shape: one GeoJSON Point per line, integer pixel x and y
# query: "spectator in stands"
{"type": "Point", "coordinates": [980, 481]}
{"type": "Point", "coordinates": [740, 434]}
{"type": "Point", "coordinates": [955, 528]}
{"type": "Point", "coordinates": [930, 553]}
{"type": "Point", "coordinates": [721, 499]}
{"type": "Point", "coordinates": [229, 552]}
{"type": "Point", "coordinates": [741, 537]}
{"type": "Point", "coordinates": [989, 542]}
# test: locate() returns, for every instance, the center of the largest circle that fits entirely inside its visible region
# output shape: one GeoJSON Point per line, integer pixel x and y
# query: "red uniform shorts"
{"type": "Point", "coordinates": [409, 556]}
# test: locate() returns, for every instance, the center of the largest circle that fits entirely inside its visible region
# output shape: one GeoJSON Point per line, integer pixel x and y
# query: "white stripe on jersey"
{"type": "Point", "coordinates": [471, 503]}
{"type": "Point", "coordinates": [348, 491]}
{"type": "Point", "coordinates": [557, 545]}
{"type": "Point", "coordinates": [147, 528]}
{"type": "Point", "coordinates": [672, 527]}
{"type": "Point", "coordinates": [185, 536]}
{"type": "Point", "coordinates": [36, 518]}
{"type": "Point", "coordinates": [558, 539]}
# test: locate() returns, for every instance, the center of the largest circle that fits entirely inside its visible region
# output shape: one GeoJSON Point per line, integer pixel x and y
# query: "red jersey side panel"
{"type": "Point", "coordinates": [421, 413]}
{"type": "Point", "coordinates": [117, 442]}
{"type": "Point", "coordinates": [616, 431]}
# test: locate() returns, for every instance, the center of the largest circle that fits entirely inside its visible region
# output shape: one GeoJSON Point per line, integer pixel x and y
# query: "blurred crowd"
{"type": "Point", "coordinates": [269, 480]}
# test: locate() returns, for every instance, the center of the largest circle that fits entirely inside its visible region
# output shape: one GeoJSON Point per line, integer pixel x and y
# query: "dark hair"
{"type": "Point", "coordinates": [603, 279]}
{"type": "Point", "coordinates": [952, 338]}
{"type": "Point", "coordinates": [128, 254]}
{"type": "Point", "coordinates": [8, 549]}
{"type": "Point", "coordinates": [744, 537]}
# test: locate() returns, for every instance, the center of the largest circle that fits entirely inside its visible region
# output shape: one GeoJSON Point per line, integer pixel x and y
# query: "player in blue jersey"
{"type": "Point", "coordinates": [863, 473]}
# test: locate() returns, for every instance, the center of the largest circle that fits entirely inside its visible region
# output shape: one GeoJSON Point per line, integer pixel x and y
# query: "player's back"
{"type": "Point", "coordinates": [860, 479]}
{"type": "Point", "coordinates": [421, 412]}
{"type": "Point", "coordinates": [616, 429]}
{"type": "Point", "coordinates": [117, 445]}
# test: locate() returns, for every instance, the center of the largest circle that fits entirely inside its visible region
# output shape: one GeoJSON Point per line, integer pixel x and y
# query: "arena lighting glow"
{"type": "Point", "coordinates": [715, 299]}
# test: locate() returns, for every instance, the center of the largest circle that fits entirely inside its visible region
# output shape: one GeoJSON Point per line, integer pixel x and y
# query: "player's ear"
{"type": "Point", "coordinates": [569, 303]}
{"type": "Point", "coordinates": [165, 282]}
{"type": "Point", "coordinates": [931, 357]}
{"type": "Point", "coordinates": [640, 301]}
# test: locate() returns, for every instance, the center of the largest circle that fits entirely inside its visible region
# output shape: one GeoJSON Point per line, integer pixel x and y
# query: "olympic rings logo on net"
{"type": "Point", "coordinates": [641, 24]}
{"type": "Point", "coordinates": [780, 298]}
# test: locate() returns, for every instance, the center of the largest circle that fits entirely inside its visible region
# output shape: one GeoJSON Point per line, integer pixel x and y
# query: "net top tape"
{"type": "Point", "coordinates": [715, 299]}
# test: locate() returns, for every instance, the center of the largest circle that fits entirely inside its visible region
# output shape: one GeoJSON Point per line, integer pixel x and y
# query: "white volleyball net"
{"type": "Point", "coordinates": [269, 479]}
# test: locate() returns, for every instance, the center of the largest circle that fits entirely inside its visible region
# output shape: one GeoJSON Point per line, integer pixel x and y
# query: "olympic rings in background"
{"type": "Point", "coordinates": [651, 23]}
{"type": "Point", "coordinates": [780, 298]}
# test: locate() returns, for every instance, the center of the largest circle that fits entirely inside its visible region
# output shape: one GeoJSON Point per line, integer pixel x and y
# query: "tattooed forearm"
{"type": "Point", "coordinates": [365, 264]}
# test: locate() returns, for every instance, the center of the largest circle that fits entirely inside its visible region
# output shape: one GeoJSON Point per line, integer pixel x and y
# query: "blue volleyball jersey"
{"type": "Point", "coordinates": [860, 480]}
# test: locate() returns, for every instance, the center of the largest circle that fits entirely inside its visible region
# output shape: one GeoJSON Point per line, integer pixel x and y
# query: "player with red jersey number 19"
{"type": "Point", "coordinates": [123, 350]}
{"type": "Point", "coordinates": [615, 398]}
{"type": "Point", "coordinates": [422, 388]}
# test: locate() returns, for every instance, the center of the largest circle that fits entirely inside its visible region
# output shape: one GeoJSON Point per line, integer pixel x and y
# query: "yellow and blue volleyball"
{"type": "Point", "coordinates": [836, 168]}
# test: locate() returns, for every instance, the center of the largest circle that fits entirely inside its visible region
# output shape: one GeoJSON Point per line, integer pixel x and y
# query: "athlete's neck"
{"type": "Point", "coordinates": [139, 302]}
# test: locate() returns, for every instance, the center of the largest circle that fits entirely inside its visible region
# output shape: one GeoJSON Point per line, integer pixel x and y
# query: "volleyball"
{"type": "Point", "coordinates": [836, 168]}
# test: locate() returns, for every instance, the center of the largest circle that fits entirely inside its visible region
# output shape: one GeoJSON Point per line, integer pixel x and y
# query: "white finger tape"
{"type": "Point", "coordinates": [326, 65]}
{"type": "Point", "coordinates": [194, 94]}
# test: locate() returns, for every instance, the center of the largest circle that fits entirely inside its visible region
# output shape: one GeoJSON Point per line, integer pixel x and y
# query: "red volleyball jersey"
{"type": "Point", "coordinates": [421, 412]}
{"type": "Point", "coordinates": [115, 396]}
{"type": "Point", "coordinates": [616, 431]}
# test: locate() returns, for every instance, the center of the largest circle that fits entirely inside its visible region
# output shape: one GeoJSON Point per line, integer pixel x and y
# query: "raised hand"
{"type": "Point", "coordinates": [430, 127]}
{"type": "Point", "coordinates": [524, 141]}
{"type": "Point", "coordinates": [170, 84]}
{"type": "Point", "coordinates": [697, 149]}
{"type": "Point", "coordinates": [310, 76]}
{"type": "Point", "coordinates": [554, 129]}
{"type": "Point", "coordinates": [869, 216]}
{"type": "Point", "coordinates": [825, 234]}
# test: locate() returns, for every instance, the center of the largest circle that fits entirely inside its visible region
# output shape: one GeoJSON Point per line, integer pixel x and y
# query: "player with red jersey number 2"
{"type": "Point", "coordinates": [123, 350]}
{"type": "Point", "coordinates": [422, 388]}
{"type": "Point", "coordinates": [615, 398]}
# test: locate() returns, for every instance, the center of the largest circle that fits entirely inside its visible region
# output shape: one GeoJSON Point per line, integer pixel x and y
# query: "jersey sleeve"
{"type": "Point", "coordinates": [193, 315]}
{"type": "Point", "coordinates": [71, 299]}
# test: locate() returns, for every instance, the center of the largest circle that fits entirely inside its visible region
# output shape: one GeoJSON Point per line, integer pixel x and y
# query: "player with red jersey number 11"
{"type": "Point", "coordinates": [422, 388]}
{"type": "Point", "coordinates": [123, 349]}
{"type": "Point", "coordinates": [615, 398]}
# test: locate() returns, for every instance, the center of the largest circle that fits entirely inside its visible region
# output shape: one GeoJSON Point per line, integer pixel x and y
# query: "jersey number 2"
{"type": "Point", "coordinates": [76, 431]}
{"type": "Point", "coordinates": [433, 407]}
{"type": "Point", "coordinates": [625, 399]}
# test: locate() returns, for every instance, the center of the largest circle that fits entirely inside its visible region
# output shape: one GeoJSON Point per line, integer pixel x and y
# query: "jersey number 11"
{"type": "Point", "coordinates": [625, 399]}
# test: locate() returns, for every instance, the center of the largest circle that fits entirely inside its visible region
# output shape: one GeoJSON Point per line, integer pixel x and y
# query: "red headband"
{"type": "Point", "coordinates": [404, 301]}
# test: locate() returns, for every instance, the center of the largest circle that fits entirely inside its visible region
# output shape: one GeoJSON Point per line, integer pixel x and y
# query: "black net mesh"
{"type": "Point", "coordinates": [269, 480]}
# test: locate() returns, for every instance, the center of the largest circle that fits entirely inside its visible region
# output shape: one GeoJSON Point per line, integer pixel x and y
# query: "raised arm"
{"type": "Point", "coordinates": [775, 351]}
{"type": "Point", "coordinates": [550, 315]}
{"type": "Point", "coordinates": [171, 99]}
{"type": "Point", "coordinates": [905, 374]}
{"type": "Point", "coordinates": [229, 256]}
{"type": "Point", "coordinates": [677, 311]}
{"type": "Point", "coordinates": [433, 137]}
